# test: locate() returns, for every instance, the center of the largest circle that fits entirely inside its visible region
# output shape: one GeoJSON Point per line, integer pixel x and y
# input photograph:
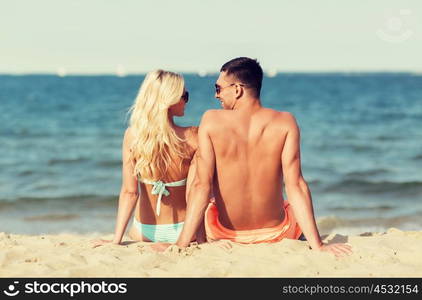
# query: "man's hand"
{"type": "Point", "coordinates": [338, 249]}
{"type": "Point", "coordinates": [223, 244]}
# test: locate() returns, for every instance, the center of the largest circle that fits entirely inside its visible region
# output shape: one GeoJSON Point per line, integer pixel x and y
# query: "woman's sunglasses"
{"type": "Point", "coordinates": [185, 96]}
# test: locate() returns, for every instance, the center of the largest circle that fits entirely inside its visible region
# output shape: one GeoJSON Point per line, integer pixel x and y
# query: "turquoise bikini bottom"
{"type": "Point", "coordinates": [168, 233]}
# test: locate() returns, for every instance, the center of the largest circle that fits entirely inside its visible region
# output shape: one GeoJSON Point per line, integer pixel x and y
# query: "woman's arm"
{"type": "Point", "coordinates": [128, 192]}
{"type": "Point", "coordinates": [200, 233]}
{"type": "Point", "coordinates": [201, 186]}
{"type": "Point", "coordinates": [193, 140]}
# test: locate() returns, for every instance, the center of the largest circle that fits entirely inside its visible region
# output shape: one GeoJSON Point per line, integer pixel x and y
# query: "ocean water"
{"type": "Point", "coordinates": [60, 147]}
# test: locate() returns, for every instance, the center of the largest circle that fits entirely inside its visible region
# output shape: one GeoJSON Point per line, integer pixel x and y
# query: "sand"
{"type": "Point", "coordinates": [393, 253]}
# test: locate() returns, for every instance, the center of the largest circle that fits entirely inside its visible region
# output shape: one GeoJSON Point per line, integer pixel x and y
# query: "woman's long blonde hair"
{"type": "Point", "coordinates": [155, 144]}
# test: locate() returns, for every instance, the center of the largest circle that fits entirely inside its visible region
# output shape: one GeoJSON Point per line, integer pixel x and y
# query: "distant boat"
{"type": "Point", "coordinates": [120, 71]}
{"type": "Point", "coordinates": [202, 73]}
{"type": "Point", "coordinates": [61, 72]}
{"type": "Point", "coordinates": [271, 73]}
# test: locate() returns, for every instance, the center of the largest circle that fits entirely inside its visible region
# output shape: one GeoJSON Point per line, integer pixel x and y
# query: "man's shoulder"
{"type": "Point", "coordinates": [215, 119]}
{"type": "Point", "coordinates": [281, 116]}
{"type": "Point", "coordinates": [212, 114]}
{"type": "Point", "coordinates": [288, 116]}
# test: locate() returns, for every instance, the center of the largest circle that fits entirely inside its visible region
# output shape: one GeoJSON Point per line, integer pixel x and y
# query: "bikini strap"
{"type": "Point", "coordinates": [159, 188]}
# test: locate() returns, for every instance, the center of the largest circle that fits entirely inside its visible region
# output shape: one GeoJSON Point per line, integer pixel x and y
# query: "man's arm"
{"type": "Point", "coordinates": [200, 188]}
{"type": "Point", "coordinates": [297, 190]}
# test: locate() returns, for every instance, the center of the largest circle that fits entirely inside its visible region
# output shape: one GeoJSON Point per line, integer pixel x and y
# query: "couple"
{"type": "Point", "coordinates": [222, 181]}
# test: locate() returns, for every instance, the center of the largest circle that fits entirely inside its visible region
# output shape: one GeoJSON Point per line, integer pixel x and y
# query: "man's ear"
{"type": "Point", "coordinates": [239, 91]}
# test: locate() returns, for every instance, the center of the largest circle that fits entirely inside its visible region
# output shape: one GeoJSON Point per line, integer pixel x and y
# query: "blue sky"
{"type": "Point", "coordinates": [128, 36]}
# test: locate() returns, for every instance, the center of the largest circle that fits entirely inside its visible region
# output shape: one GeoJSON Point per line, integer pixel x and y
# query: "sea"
{"type": "Point", "coordinates": [61, 137]}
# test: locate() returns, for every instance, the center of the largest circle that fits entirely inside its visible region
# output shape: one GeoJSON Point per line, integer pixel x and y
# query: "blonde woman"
{"type": "Point", "coordinates": [158, 165]}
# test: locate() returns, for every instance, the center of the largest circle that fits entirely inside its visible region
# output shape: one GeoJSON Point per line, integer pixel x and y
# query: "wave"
{"type": "Point", "coordinates": [352, 147]}
{"type": "Point", "coordinates": [52, 218]}
{"type": "Point", "coordinates": [387, 138]}
{"type": "Point", "coordinates": [367, 173]}
{"type": "Point", "coordinates": [60, 161]}
{"type": "Point", "coordinates": [361, 208]}
{"type": "Point", "coordinates": [330, 224]}
{"type": "Point", "coordinates": [361, 186]}
{"type": "Point", "coordinates": [45, 187]}
{"type": "Point", "coordinates": [97, 200]}
{"type": "Point", "coordinates": [361, 148]}
{"type": "Point", "coordinates": [26, 173]}
{"type": "Point", "coordinates": [110, 163]}
{"type": "Point", "coordinates": [26, 133]}
{"type": "Point", "coordinates": [34, 172]}
{"type": "Point", "coordinates": [418, 157]}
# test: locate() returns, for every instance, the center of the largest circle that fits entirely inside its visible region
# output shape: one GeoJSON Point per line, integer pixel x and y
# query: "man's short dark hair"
{"type": "Point", "coordinates": [246, 70]}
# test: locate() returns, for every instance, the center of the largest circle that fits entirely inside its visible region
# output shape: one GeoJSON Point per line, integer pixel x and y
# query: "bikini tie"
{"type": "Point", "coordinates": [159, 188]}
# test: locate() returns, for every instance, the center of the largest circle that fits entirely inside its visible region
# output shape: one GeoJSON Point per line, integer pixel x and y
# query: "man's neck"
{"type": "Point", "coordinates": [247, 103]}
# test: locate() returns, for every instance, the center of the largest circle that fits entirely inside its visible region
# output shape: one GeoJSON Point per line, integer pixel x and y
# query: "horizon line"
{"type": "Point", "coordinates": [267, 73]}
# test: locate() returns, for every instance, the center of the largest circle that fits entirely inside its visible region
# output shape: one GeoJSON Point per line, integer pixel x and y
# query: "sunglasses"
{"type": "Point", "coordinates": [219, 88]}
{"type": "Point", "coordinates": [185, 96]}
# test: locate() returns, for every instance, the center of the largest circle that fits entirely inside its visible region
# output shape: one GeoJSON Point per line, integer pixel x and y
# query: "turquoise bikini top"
{"type": "Point", "coordinates": [159, 188]}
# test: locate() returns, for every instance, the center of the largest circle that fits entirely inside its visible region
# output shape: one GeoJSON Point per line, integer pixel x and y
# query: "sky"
{"type": "Point", "coordinates": [136, 36]}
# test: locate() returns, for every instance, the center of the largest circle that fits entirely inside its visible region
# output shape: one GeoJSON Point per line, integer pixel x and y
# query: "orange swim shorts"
{"type": "Point", "coordinates": [287, 229]}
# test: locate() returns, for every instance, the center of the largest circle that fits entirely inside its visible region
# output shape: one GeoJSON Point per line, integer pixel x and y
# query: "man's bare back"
{"type": "Point", "coordinates": [248, 181]}
{"type": "Point", "coordinates": [246, 152]}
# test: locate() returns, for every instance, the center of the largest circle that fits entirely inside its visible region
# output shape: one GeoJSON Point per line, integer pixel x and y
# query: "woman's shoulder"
{"type": "Point", "coordinates": [191, 136]}
{"type": "Point", "coordinates": [128, 135]}
{"type": "Point", "coordinates": [193, 130]}
{"type": "Point", "coordinates": [128, 138]}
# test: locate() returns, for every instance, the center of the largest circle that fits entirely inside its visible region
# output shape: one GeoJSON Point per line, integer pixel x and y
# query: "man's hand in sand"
{"type": "Point", "coordinates": [101, 242]}
{"type": "Point", "coordinates": [339, 250]}
{"type": "Point", "coordinates": [223, 244]}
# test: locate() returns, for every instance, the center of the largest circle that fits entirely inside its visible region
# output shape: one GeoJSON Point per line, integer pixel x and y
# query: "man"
{"type": "Point", "coordinates": [245, 153]}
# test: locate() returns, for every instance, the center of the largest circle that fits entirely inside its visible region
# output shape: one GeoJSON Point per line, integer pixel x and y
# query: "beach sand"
{"type": "Point", "coordinates": [393, 253]}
